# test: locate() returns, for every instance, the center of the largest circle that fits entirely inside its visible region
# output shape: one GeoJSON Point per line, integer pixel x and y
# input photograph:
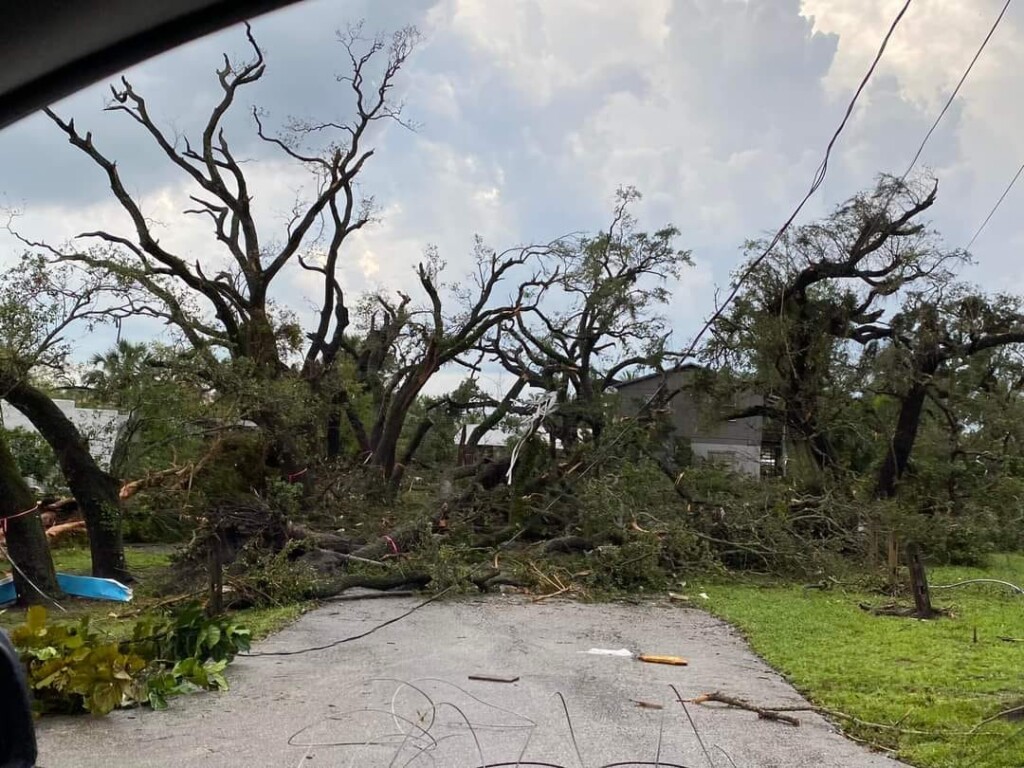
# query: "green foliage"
{"type": "Point", "coordinates": [33, 455]}
{"type": "Point", "coordinates": [265, 578]}
{"type": "Point", "coordinates": [237, 469]}
{"type": "Point", "coordinates": [450, 566]}
{"type": "Point", "coordinates": [72, 667]}
{"type": "Point", "coordinates": [634, 566]}
{"type": "Point", "coordinates": [185, 676]}
{"type": "Point", "coordinates": [190, 634]}
{"type": "Point", "coordinates": [157, 518]}
{"type": "Point", "coordinates": [285, 497]}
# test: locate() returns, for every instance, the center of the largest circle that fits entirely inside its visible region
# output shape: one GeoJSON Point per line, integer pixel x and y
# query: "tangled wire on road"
{"type": "Point", "coordinates": [413, 730]}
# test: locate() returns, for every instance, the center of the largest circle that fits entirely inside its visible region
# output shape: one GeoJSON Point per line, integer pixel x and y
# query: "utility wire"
{"type": "Point", "coordinates": [5, 553]}
{"type": "Point", "coordinates": [956, 90]}
{"type": "Point", "coordinates": [361, 635]}
{"type": "Point", "coordinates": [819, 177]}
{"type": "Point", "coordinates": [996, 206]}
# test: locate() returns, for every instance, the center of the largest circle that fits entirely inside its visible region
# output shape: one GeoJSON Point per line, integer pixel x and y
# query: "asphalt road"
{"type": "Point", "coordinates": [402, 697]}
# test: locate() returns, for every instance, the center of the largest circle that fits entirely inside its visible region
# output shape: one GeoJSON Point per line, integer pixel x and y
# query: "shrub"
{"type": "Point", "coordinates": [72, 667]}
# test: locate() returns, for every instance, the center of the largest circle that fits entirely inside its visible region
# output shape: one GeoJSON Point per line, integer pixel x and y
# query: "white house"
{"type": "Point", "coordinates": [100, 426]}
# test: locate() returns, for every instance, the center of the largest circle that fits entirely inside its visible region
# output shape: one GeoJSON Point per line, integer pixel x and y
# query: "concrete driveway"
{"type": "Point", "coordinates": [402, 697]}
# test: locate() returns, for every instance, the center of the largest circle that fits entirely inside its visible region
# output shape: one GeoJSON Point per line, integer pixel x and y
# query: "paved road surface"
{"type": "Point", "coordinates": [355, 704]}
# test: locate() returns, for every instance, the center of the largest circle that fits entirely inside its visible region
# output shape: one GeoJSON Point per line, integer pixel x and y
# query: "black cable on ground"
{"type": "Point", "coordinates": [361, 635]}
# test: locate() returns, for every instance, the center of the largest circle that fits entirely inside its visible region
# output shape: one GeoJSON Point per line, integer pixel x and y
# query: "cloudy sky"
{"type": "Point", "coordinates": [531, 112]}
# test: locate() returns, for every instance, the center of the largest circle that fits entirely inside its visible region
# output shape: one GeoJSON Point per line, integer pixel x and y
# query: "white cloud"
{"type": "Point", "coordinates": [978, 146]}
{"type": "Point", "coordinates": [533, 112]}
{"type": "Point", "coordinates": [548, 48]}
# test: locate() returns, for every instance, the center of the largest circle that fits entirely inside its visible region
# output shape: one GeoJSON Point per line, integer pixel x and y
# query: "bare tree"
{"type": "Point", "coordinates": [406, 344]}
{"type": "Point", "coordinates": [223, 306]}
{"type": "Point", "coordinates": [596, 316]}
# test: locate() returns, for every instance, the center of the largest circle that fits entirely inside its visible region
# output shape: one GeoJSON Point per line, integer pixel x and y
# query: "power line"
{"type": "Point", "coordinates": [819, 177]}
{"type": "Point", "coordinates": [360, 635]}
{"type": "Point", "coordinates": [953, 95]}
{"type": "Point", "coordinates": [996, 206]}
{"type": "Point", "coordinates": [822, 169]}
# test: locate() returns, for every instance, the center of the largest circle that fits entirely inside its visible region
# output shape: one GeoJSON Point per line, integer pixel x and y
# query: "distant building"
{"type": "Point", "coordinates": [747, 445]}
{"type": "Point", "coordinates": [100, 426]}
{"type": "Point", "coordinates": [491, 443]}
{"type": "Point", "coordinates": [497, 441]}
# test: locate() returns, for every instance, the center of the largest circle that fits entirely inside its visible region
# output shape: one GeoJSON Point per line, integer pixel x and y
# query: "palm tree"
{"type": "Point", "coordinates": [116, 371]}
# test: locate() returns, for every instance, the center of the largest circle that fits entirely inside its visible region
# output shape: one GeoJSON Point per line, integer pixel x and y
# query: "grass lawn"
{"type": "Point", "coordinates": [150, 564]}
{"type": "Point", "coordinates": [928, 678]}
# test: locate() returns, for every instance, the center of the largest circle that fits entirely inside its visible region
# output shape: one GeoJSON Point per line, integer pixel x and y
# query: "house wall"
{"type": "Point", "coordinates": [99, 426]}
{"type": "Point", "coordinates": [737, 442]}
{"type": "Point", "coordinates": [742, 458]}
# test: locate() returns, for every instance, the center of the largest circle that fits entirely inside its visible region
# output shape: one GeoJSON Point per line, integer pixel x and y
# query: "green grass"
{"type": "Point", "coordinates": [144, 560]}
{"type": "Point", "coordinates": [929, 677]}
{"type": "Point", "coordinates": [266, 621]}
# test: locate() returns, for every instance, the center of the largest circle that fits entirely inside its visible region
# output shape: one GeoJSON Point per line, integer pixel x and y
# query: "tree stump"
{"type": "Point", "coordinates": [919, 583]}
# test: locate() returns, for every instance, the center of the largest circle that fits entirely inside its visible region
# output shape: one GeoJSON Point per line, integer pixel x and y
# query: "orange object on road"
{"type": "Point", "coordinates": [676, 661]}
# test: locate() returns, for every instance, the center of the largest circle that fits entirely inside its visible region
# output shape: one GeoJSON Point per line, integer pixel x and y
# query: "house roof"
{"type": "Point", "coordinates": [658, 374]}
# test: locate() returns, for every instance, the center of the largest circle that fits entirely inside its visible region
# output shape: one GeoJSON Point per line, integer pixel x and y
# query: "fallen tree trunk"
{"type": "Point", "coordinates": [62, 529]}
{"type": "Point", "coordinates": [383, 582]}
{"type": "Point", "coordinates": [398, 541]}
{"type": "Point", "coordinates": [323, 539]}
{"type": "Point", "coordinates": [568, 544]}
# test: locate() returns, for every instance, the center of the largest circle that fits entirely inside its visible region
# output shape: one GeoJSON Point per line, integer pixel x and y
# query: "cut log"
{"type": "Point", "coordinates": [63, 529]}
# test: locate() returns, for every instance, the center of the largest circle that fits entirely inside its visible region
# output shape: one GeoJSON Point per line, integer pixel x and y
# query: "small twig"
{"type": "Point", "coordinates": [764, 713]}
{"type": "Point", "coordinates": [556, 593]}
{"type": "Point", "coordinates": [494, 678]}
{"type": "Point", "coordinates": [545, 577]}
{"type": "Point", "coordinates": [357, 559]}
{"type": "Point", "coordinates": [161, 604]}
{"type": "Point", "coordinates": [1017, 710]}
{"type": "Point", "coordinates": [647, 704]}
{"type": "Point", "coordinates": [775, 713]}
